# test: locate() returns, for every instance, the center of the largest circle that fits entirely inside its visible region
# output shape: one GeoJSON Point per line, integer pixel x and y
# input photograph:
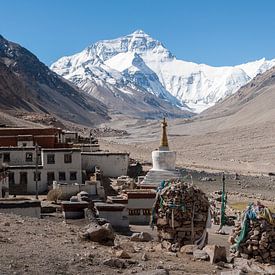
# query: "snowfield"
{"type": "Point", "coordinates": [137, 61]}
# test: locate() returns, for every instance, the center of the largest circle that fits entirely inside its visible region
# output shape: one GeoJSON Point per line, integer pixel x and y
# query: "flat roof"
{"type": "Point", "coordinates": [16, 148]}
{"type": "Point", "coordinates": [103, 206]}
{"type": "Point", "coordinates": [30, 166]}
{"type": "Point", "coordinates": [8, 203]}
{"type": "Point", "coordinates": [104, 153]}
{"type": "Point", "coordinates": [61, 149]}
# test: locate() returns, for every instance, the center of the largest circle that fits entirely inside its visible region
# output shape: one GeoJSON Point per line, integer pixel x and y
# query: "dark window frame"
{"type": "Point", "coordinates": [50, 158]}
{"type": "Point", "coordinates": [68, 158]}
{"type": "Point", "coordinates": [63, 177]}
{"type": "Point", "coordinates": [50, 179]}
{"type": "Point", "coordinates": [6, 157]}
{"type": "Point", "coordinates": [38, 174]}
{"type": "Point", "coordinates": [29, 156]}
{"type": "Point", "coordinates": [73, 175]}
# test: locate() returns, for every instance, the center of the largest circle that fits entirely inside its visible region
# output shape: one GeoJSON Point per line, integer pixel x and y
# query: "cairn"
{"type": "Point", "coordinates": [180, 214]}
{"type": "Point", "coordinates": [254, 237]}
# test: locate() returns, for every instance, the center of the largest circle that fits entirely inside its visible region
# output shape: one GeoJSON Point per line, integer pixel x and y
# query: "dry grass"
{"type": "Point", "coordinates": [242, 205]}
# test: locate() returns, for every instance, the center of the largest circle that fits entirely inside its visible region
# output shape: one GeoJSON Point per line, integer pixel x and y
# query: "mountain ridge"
{"type": "Point", "coordinates": [26, 84]}
{"type": "Point", "coordinates": [190, 86]}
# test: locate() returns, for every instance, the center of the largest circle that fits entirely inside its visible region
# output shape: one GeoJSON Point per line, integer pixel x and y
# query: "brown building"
{"type": "Point", "coordinates": [44, 137]}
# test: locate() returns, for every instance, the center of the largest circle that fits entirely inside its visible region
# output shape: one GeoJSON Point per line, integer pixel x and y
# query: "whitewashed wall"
{"type": "Point", "coordinates": [111, 164]}
{"type": "Point", "coordinates": [61, 166]}
{"type": "Point", "coordinates": [18, 155]}
{"type": "Point", "coordinates": [69, 190]}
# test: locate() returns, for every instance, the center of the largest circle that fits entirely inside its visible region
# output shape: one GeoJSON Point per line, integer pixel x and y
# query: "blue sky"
{"type": "Point", "coordinates": [224, 32]}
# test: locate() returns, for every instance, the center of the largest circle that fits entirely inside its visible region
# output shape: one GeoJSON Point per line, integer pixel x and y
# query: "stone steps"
{"type": "Point", "coordinates": [155, 177]}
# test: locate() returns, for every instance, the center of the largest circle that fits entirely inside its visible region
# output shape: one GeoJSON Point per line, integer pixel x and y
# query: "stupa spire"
{"type": "Point", "coordinates": [164, 139]}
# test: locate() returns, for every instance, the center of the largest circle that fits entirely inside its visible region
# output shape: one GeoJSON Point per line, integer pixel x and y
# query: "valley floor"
{"type": "Point", "coordinates": [210, 145]}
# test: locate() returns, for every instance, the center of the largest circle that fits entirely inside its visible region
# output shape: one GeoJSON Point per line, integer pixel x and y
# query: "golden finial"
{"type": "Point", "coordinates": [164, 140]}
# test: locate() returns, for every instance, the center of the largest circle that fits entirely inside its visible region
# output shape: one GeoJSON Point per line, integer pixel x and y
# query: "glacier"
{"type": "Point", "coordinates": [139, 62]}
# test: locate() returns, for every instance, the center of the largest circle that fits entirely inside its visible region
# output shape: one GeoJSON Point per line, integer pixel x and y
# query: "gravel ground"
{"type": "Point", "coordinates": [45, 246]}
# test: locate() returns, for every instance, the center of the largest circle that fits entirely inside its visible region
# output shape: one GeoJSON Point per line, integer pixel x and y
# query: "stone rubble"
{"type": "Point", "coordinates": [258, 243]}
{"type": "Point", "coordinates": [141, 237]}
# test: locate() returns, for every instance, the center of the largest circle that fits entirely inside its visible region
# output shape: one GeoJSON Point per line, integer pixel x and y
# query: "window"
{"type": "Point", "coordinates": [62, 176]}
{"type": "Point", "coordinates": [38, 176]}
{"type": "Point", "coordinates": [50, 177]}
{"type": "Point", "coordinates": [73, 175]}
{"type": "Point", "coordinates": [28, 157]}
{"type": "Point", "coordinates": [67, 158]}
{"type": "Point", "coordinates": [134, 212]}
{"type": "Point", "coordinates": [50, 159]}
{"type": "Point", "coordinates": [24, 144]}
{"type": "Point", "coordinates": [11, 178]}
{"type": "Point", "coordinates": [146, 212]}
{"type": "Point", "coordinates": [6, 157]}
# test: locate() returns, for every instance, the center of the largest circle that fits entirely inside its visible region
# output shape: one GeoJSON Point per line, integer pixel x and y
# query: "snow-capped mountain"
{"type": "Point", "coordinates": [137, 62]}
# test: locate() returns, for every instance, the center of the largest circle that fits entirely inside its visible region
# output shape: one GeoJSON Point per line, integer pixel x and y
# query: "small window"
{"type": "Point", "coordinates": [73, 175]}
{"type": "Point", "coordinates": [38, 176]}
{"type": "Point", "coordinates": [29, 157]}
{"type": "Point", "coordinates": [134, 212]}
{"type": "Point", "coordinates": [67, 158]}
{"type": "Point", "coordinates": [6, 157]}
{"type": "Point", "coordinates": [24, 144]}
{"type": "Point", "coordinates": [11, 178]}
{"type": "Point", "coordinates": [62, 176]}
{"type": "Point", "coordinates": [51, 159]}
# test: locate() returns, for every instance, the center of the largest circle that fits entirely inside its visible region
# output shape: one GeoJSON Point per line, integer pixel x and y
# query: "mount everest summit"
{"type": "Point", "coordinates": [139, 70]}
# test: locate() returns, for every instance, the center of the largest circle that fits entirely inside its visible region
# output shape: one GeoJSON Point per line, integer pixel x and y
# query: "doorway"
{"type": "Point", "coordinates": [23, 178]}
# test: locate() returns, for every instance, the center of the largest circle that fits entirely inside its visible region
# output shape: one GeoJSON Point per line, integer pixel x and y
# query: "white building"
{"type": "Point", "coordinates": [110, 164]}
{"type": "Point", "coordinates": [55, 161]}
{"type": "Point", "coordinates": [61, 164]}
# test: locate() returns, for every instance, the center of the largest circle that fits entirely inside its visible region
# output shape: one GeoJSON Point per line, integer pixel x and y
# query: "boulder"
{"type": "Point", "coordinates": [141, 237]}
{"type": "Point", "coordinates": [216, 253]}
{"type": "Point", "coordinates": [102, 234]}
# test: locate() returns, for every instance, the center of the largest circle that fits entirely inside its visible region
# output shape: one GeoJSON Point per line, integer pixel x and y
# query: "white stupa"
{"type": "Point", "coordinates": [164, 162]}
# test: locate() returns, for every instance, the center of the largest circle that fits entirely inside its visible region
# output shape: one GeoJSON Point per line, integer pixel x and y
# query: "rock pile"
{"type": "Point", "coordinates": [255, 236]}
{"type": "Point", "coordinates": [180, 214]}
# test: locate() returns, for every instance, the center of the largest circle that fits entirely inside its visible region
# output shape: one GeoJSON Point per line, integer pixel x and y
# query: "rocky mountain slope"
{"type": "Point", "coordinates": [137, 62]}
{"type": "Point", "coordinates": [27, 85]}
{"type": "Point", "coordinates": [252, 104]}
